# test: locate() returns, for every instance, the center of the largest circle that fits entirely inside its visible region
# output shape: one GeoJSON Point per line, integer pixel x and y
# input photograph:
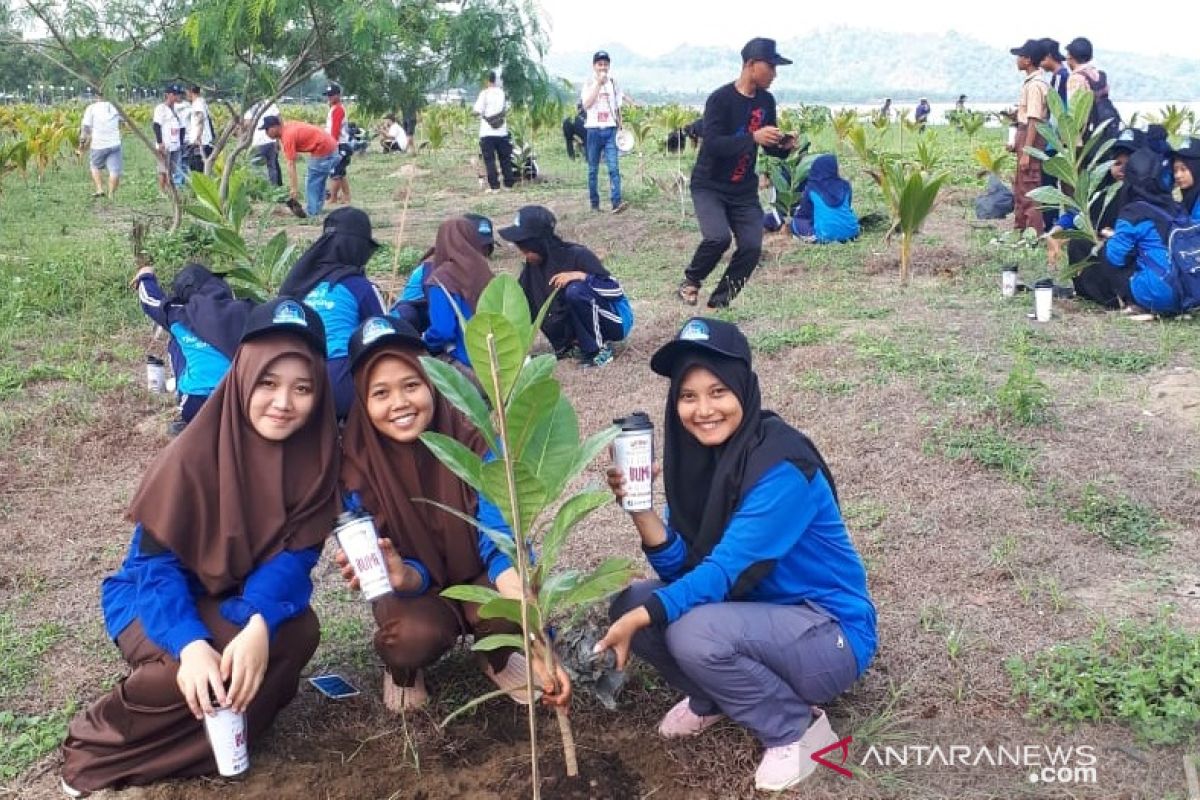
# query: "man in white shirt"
{"type": "Point", "coordinates": [101, 129]}
{"type": "Point", "coordinates": [199, 129]}
{"type": "Point", "coordinates": [395, 138]}
{"type": "Point", "coordinates": [168, 136]}
{"type": "Point", "coordinates": [491, 107]}
{"type": "Point", "coordinates": [602, 103]}
{"type": "Point", "coordinates": [265, 148]}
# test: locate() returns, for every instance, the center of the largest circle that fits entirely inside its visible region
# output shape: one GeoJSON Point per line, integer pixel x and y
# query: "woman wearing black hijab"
{"type": "Point", "coordinates": [1133, 274]}
{"type": "Point", "coordinates": [1187, 176]}
{"type": "Point", "coordinates": [761, 609]}
{"type": "Point", "coordinates": [590, 310]}
{"type": "Point", "coordinates": [331, 278]}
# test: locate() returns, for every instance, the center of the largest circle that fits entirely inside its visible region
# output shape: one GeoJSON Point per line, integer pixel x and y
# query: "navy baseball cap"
{"type": "Point", "coordinates": [1129, 140]}
{"type": "Point", "coordinates": [702, 333]}
{"type": "Point", "coordinates": [485, 231]}
{"type": "Point", "coordinates": [1189, 148]}
{"type": "Point", "coordinates": [601, 55]}
{"type": "Point", "coordinates": [532, 222]}
{"type": "Point", "coordinates": [1033, 49]}
{"type": "Point", "coordinates": [1050, 47]}
{"type": "Point", "coordinates": [286, 315]}
{"type": "Point", "coordinates": [760, 49]}
{"type": "Point", "coordinates": [332, 90]}
{"type": "Point", "coordinates": [375, 332]}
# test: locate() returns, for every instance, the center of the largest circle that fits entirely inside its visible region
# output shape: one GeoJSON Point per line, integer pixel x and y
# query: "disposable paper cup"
{"type": "Point", "coordinates": [226, 731]}
{"type": "Point", "coordinates": [1043, 298]}
{"type": "Point", "coordinates": [1008, 282]}
{"type": "Point", "coordinates": [361, 544]}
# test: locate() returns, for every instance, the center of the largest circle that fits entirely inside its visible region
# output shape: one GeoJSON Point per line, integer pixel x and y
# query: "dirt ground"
{"type": "Point", "coordinates": [872, 396]}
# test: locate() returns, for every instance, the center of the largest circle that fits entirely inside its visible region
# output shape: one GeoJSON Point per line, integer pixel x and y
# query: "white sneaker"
{"type": "Point", "coordinates": [785, 766]}
{"type": "Point", "coordinates": [511, 679]}
{"type": "Point", "coordinates": [70, 791]}
{"type": "Point", "coordinates": [681, 722]}
{"type": "Point", "coordinates": [399, 699]}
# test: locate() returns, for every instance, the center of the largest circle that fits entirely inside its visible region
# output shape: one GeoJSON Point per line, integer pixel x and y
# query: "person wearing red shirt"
{"type": "Point", "coordinates": [323, 156]}
{"type": "Point", "coordinates": [337, 127]}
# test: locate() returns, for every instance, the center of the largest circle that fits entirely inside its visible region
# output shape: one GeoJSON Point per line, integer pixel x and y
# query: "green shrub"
{"type": "Point", "coordinates": [1116, 519]}
{"type": "Point", "coordinates": [1024, 397]}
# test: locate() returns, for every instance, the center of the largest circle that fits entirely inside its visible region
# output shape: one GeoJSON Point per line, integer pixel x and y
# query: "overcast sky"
{"type": "Point", "coordinates": [654, 27]}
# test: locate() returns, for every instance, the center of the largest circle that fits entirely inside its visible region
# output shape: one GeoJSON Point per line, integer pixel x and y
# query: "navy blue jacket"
{"type": "Point", "coordinates": [197, 364]}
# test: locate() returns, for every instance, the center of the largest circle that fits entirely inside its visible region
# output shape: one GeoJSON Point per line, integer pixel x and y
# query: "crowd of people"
{"type": "Point", "coordinates": [312, 404]}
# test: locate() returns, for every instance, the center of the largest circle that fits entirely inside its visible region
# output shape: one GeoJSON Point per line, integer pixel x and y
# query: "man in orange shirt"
{"type": "Point", "coordinates": [323, 156]}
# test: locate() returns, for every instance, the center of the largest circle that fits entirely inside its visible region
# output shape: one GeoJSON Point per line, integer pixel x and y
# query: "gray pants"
{"type": "Point", "coordinates": [761, 664]}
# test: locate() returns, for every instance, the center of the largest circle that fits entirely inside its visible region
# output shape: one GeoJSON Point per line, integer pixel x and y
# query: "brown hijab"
{"type": "Point", "coordinates": [222, 498]}
{"type": "Point", "coordinates": [390, 475]}
{"type": "Point", "coordinates": [458, 263]}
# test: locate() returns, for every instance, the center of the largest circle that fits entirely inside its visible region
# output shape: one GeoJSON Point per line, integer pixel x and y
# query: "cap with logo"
{"type": "Point", "coordinates": [601, 55]}
{"type": "Point", "coordinates": [378, 331]}
{"type": "Point", "coordinates": [1129, 140]}
{"type": "Point", "coordinates": [760, 49]}
{"type": "Point", "coordinates": [1188, 148]}
{"type": "Point", "coordinates": [532, 222]}
{"type": "Point", "coordinates": [485, 230]}
{"type": "Point", "coordinates": [332, 90]}
{"type": "Point", "coordinates": [173, 88]}
{"type": "Point", "coordinates": [705, 334]}
{"type": "Point", "coordinates": [286, 315]}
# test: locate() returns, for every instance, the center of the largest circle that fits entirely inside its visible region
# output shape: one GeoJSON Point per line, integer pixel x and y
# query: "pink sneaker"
{"type": "Point", "coordinates": [785, 766]}
{"type": "Point", "coordinates": [511, 679]}
{"type": "Point", "coordinates": [681, 722]}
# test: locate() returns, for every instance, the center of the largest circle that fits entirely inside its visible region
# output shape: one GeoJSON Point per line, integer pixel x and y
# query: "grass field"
{"type": "Point", "coordinates": [1011, 486]}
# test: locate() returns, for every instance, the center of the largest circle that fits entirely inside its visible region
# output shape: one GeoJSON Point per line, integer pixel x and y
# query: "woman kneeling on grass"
{"type": "Point", "coordinates": [213, 598]}
{"type": "Point", "coordinates": [761, 610]}
{"type": "Point", "coordinates": [427, 549]}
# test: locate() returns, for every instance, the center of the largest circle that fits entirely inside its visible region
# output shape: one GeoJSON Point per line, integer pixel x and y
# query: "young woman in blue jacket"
{"type": "Point", "coordinates": [824, 213]}
{"type": "Point", "coordinates": [760, 611]}
{"type": "Point", "coordinates": [211, 605]}
{"type": "Point", "coordinates": [457, 275]}
{"type": "Point", "coordinates": [331, 278]}
{"type": "Point", "coordinates": [1187, 176]}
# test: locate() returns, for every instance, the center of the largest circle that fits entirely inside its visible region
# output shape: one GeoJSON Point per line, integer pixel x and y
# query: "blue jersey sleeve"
{"type": "Point", "coordinates": [768, 523]}
{"type": "Point", "coordinates": [152, 299]}
{"type": "Point", "coordinates": [494, 559]}
{"type": "Point", "coordinates": [669, 557]}
{"type": "Point", "coordinates": [166, 605]}
{"type": "Point", "coordinates": [279, 589]}
{"type": "Point", "coordinates": [366, 295]}
{"type": "Point", "coordinates": [443, 322]}
{"type": "Point", "coordinates": [1124, 242]}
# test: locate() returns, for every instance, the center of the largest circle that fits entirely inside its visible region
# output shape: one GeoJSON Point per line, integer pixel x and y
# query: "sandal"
{"type": "Point", "coordinates": [689, 293]}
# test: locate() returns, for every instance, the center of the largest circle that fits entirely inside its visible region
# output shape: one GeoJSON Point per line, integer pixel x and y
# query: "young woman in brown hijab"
{"type": "Point", "coordinates": [384, 470]}
{"type": "Point", "coordinates": [212, 600]}
{"type": "Point", "coordinates": [459, 274]}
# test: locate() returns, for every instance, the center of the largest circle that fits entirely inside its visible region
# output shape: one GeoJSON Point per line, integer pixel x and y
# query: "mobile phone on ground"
{"type": "Point", "coordinates": [332, 686]}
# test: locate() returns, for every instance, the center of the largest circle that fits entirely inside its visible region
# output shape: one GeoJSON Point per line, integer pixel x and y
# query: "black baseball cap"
{"type": "Point", "coordinates": [1033, 49]}
{"type": "Point", "coordinates": [375, 332]}
{"type": "Point", "coordinates": [760, 49]}
{"type": "Point", "coordinates": [601, 55]}
{"type": "Point", "coordinates": [1190, 148]}
{"type": "Point", "coordinates": [1050, 48]}
{"type": "Point", "coordinates": [271, 121]}
{"type": "Point", "coordinates": [706, 334]}
{"type": "Point", "coordinates": [286, 315]}
{"type": "Point", "coordinates": [350, 221]}
{"type": "Point", "coordinates": [485, 231]}
{"type": "Point", "coordinates": [173, 88]}
{"type": "Point", "coordinates": [1129, 140]}
{"type": "Point", "coordinates": [532, 222]}
{"type": "Point", "coordinates": [332, 90]}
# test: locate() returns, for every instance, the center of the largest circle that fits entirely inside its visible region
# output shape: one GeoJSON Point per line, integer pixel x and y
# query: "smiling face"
{"type": "Point", "coordinates": [1183, 176]}
{"type": "Point", "coordinates": [399, 401]}
{"type": "Point", "coordinates": [283, 398]}
{"type": "Point", "coordinates": [708, 409]}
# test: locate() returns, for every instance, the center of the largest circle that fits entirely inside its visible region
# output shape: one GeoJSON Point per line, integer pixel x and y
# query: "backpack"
{"type": "Point", "coordinates": [1103, 111]}
{"type": "Point", "coordinates": [1183, 254]}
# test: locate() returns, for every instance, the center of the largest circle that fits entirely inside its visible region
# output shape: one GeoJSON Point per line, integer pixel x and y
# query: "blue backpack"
{"type": "Point", "coordinates": [1183, 249]}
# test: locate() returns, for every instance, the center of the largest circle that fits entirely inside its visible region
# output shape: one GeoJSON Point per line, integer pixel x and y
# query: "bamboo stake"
{"type": "Point", "coordinates": [400, 235]}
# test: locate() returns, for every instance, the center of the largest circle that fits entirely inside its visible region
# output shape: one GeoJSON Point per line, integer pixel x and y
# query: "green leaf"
{"type": "Point", "coordinates": [510, 354]}
{"type": "Point", "coordinates": [505, 298]}
{"type": "Point", "coordinates": [536, 369]}
{"type": "Point", "coordinates": [501, 539]}
{"type": "Point", "coordinates": [457, 457]}
{"type": "Point", "coordinates": [611, 576]}
{"type": "Point", "coordinates": [471, 593]}
{"type": "Point", "coordinates": [568, 516]}
{"type": "Point", "coordinates": [497, 641]}
{"type": "Point", "coordinates": [531, 493]}
{"type": "Point", "coordinates": [526, 411]}
{"type": "Point", "coordinates": [1059, 166]}
{"type": "Point", "coordinates": [233, 244]}
{"type": "Point", "coordinates": [585, 454]}
{"type": "Point", "coordinates": [553, 590]}
{"type": "Point", "coordinates": [551, 449]}
{"type": "Point", "coordinates": [462, 394]}
{"type": "Point", "coordinates": [1053, 197]}
{"type": "Point", "coordinates": [510, 609]}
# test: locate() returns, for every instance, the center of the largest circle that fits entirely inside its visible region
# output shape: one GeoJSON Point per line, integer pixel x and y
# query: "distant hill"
{"type": "Point", "coordinates": [859, 65]}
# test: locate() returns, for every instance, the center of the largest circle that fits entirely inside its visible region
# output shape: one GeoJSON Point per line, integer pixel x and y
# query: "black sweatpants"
{"type": "Point", "coordinates": [724, 218]}
{"type": "Point", "coordinates": [491, 148]}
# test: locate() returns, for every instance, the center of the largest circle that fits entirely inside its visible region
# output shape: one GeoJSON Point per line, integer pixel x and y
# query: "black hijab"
{"type": "Point", "coordinates": [557, 256]}
{"type": "Point", "coordinates": [343, 250]}
{"type": "Point", "coordinates": [1191, 196]}
{"type": "Point", "coordinates": [705, 484]}
{"type": "Point", "coordinates": [1143, 197]}
{"type": "Point", "coordinates": [205, 304]}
